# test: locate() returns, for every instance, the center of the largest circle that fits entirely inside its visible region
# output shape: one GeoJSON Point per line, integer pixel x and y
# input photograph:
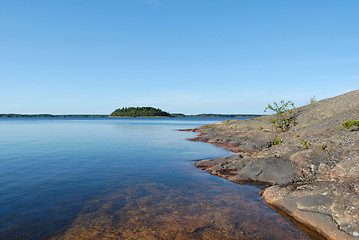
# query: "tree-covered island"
{"type": "Point", "coordinates": [139, 112]}
{"type": "Point", "coordinates": [128, 112]}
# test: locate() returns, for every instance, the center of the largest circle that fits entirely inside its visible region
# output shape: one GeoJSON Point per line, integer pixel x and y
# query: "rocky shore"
{"type": "Point", "coordinates": [311, 171]}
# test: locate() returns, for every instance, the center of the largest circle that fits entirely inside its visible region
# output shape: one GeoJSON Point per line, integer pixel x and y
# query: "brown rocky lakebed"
{"type": "Point", "coordinates": [158, 211]}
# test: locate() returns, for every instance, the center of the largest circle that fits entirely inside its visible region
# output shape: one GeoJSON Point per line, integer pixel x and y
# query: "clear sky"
{"type": "Point", "coordinates": [188, 56]}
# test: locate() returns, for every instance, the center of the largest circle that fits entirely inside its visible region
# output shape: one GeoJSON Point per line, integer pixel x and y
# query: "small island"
{"type": "Point", "coordinates": [139, 112]}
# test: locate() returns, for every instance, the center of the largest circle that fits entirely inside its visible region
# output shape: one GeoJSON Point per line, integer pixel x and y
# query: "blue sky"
{"type": "Point", "coordinates": [189, 56]}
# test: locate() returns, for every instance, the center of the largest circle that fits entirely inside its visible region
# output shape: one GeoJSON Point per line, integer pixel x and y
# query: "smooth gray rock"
{"type": "Point", "coordinates": [268, 170]}
{"type": "Point", "coordinates": [316, 162]}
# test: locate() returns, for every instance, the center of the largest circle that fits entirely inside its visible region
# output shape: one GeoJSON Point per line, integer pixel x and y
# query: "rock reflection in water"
{"type": "Point", "coordinates": [157, 211]}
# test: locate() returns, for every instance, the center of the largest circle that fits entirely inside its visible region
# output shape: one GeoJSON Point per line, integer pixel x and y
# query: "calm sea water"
{"type": "Point", "coordinates": [124, 178]}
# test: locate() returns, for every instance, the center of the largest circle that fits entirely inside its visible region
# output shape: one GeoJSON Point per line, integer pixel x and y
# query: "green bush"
{"type": "Point", "coordinates": [273, 121]}
{"type": "Point", "coordinates": [348, 124]}
{"type": "Point", "coordinates": [283, 110]}
{"type": "Point", "coordinates": [304, 144]}
{"type": "Point", "coordinates": [276, 141]}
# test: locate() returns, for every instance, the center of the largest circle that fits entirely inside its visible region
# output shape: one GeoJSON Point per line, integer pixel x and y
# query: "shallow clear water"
{"type": "Point", "coordinates": [125, 178]}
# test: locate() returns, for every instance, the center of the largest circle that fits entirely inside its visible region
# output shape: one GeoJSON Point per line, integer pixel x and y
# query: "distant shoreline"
{"type": "Point", "coordinates": [215, 115]}
{"type": "Point", "coordinates": [175, 115]}
{"type": "Point", "coordinates": [13, 115]}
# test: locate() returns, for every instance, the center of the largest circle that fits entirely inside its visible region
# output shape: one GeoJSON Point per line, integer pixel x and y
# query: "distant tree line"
{"type": "Point", "coordinates": [130, 112]}
{"type": "Point", "coordinates": [214, 115]}
{"type": "Point", "coordinates": [50, 115]}
{"type": "Point", "coordinates": [139, 112]}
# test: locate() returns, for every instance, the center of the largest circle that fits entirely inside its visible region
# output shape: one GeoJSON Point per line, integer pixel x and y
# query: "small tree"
{"type": "Point", "coordinates": [312, 100]}
{"type": "Point", "coordinates": [283, 110]}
